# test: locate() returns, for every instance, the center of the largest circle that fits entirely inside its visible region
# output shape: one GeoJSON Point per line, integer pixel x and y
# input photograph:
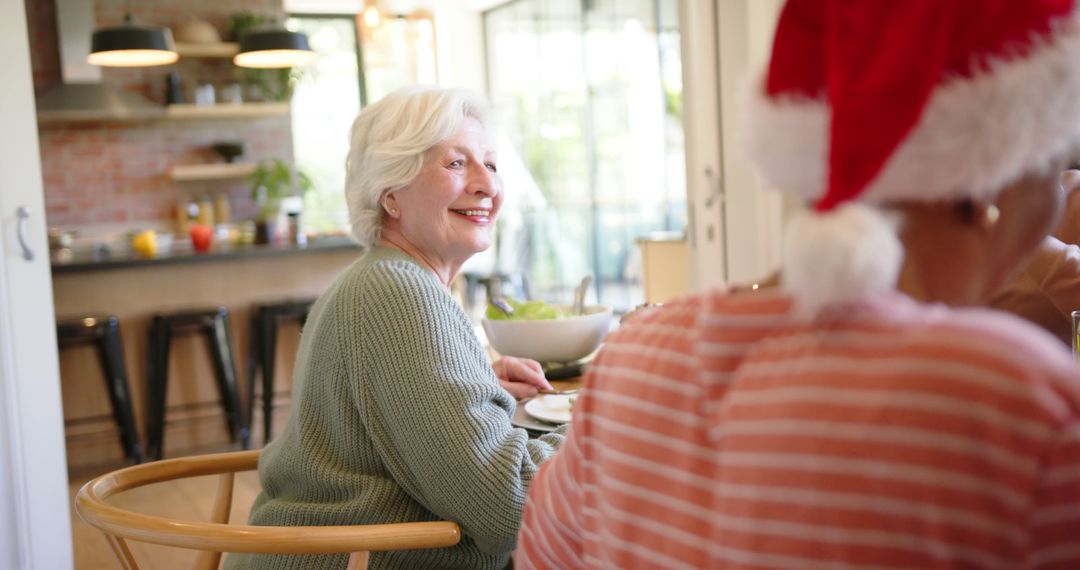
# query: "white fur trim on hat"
{"type": "Point", "coordinates": [975, 136]}
{"type": "Point", "coordinates": [848, 253]}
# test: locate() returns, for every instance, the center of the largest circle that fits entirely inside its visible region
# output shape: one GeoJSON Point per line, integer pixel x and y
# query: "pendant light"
{"type": "Point", "coordinates": [132, 45]}
{"type": "Point", "coordinates": [266, 48]}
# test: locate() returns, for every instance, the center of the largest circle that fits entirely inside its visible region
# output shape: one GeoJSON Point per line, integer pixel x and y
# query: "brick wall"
{"type": "Point", "coordinates": [117, 172]}
{"type": "Point", "coordinates": [44, 52]}
{"type": "Point", "coordinates": [106, 173]}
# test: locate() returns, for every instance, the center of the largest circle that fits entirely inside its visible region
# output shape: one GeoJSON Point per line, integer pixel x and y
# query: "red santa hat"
{"type": "Point", "coordinates": [868, 102]}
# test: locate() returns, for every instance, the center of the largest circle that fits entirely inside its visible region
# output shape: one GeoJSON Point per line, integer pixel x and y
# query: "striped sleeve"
{"type": "Point", "coordinates": [1055, 519]}
{"type": "Point", "coordinates": [551, 529]}
{"type": "Point", "coordinates": [639, 384]}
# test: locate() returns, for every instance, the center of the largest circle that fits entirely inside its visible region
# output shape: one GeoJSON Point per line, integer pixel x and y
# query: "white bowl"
{"type": "Point", "coordinates": [551, 340]}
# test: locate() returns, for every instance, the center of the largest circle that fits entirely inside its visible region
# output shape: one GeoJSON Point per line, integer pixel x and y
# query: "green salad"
{"type": "Point", "coordinates": [525, 311]}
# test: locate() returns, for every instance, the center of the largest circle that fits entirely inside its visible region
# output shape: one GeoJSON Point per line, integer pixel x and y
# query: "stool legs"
{"type": "Point", "coordinates": [104, 333]}
{"type": "Point", "coordinates": [252, 363]}
{"type": "Point", "coordinates": [262, 353]}
{"type": "Point", "coordinates": [261, 356]}
{"type": "Point", "coordinates": [268, 348]}
{"type": "Point", "coordinates": [215, 325]}
{"type": "Point", "coordinates": [160, 337]}
{"type": "Point", "coordinates": [112, 361]}
{"type": "Point", "coordinates": [225, 371]}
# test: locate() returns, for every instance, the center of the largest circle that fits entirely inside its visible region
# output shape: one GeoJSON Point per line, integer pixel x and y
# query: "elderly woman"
{"type": "Point", "coordinates": [397, 414]}
{"type": "Point", "coordinates": [870, 414]}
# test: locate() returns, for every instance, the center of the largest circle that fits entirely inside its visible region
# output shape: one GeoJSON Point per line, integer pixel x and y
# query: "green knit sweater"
{"type": "Point", "coordinates": [396, 417]}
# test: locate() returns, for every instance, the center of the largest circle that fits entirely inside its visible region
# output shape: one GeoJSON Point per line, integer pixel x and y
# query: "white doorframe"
{"type": "Point", "coordinates": [705, 200]}
{"type": "Point", "coordinates": [736, 222]}
{"type": "Point", "coordinates": [35, 528]}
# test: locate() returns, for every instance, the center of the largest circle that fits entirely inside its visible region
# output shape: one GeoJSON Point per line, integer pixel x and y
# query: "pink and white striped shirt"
{"type": "Point", "coordinates": [717, 433]}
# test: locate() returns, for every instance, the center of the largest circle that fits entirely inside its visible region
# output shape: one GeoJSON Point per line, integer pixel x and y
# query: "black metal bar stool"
{"type": "Point", "coordinates": [214, 323]}
{"type": "Point", "coordinates": [265, 319]}
{"type": "Point", "coordinates": [104, 333]}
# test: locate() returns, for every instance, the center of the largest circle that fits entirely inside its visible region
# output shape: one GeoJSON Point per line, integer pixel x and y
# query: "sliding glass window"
{"type": "Point", "coordinates": [589, 96]}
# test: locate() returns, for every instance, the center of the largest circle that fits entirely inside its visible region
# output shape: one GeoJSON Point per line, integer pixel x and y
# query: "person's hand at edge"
{"type": "Point", "coordinates": [522, 377]}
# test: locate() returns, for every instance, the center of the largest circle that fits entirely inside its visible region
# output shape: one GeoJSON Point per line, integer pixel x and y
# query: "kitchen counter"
{"type": "Point", "coordinates": [134, 289]}
{"type": "Point", "coordinates": [87, 261]}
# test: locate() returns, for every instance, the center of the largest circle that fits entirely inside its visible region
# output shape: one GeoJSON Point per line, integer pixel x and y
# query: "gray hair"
{"type": "Point", "coordinates": [388, 141]}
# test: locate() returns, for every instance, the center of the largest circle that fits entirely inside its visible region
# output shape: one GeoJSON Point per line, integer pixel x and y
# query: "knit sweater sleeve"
{"type": "Point", "coordinates": [435, 410]}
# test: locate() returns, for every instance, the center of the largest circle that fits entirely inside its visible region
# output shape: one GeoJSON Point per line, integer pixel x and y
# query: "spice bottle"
{"type": "Point", "coordinates": [222, 211]}
{"type": "Point", "coordinates": [206, 211]}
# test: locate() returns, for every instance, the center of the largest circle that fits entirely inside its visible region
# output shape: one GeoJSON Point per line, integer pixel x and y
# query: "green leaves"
{"type": "Point", "coordinates": [525, 311]}
{"type": "Point", "coordinates": [279, 179]}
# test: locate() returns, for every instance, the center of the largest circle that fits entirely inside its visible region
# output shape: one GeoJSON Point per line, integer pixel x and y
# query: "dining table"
{"type": "Point", "coordinates": [537, 427]}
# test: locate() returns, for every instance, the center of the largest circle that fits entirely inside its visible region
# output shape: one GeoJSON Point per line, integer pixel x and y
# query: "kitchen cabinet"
{"type": "Point", "coordinates": [134, 289]}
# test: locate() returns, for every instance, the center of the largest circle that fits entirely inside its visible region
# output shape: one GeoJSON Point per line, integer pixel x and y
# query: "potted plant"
{"type": "Point", "coordinates": [272, 181]}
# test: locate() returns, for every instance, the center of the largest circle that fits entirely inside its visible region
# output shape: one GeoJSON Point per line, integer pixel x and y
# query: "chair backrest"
{"type": "Point", "coordinates": [217, 536]}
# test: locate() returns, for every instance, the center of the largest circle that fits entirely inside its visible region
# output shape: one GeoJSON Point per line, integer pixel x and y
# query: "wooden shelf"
{"type": "Point", "coordinates": [200, 172]}
{"type": "Point", "coordinates": [63, 117]}
{"type": "Point", "coordinates": [227, 111]}
{"type": "Point", "coordinates": [213, 50]}
{"type": "Point", "coordinates": [169, 112]}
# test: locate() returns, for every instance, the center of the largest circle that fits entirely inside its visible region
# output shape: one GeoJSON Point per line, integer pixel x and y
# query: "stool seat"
{"type": "Point", "coordinates": [103, 331]}
{"type": "Point", "coordinates": [265, 319]}
{"type": "Point", "coordinates": [213, 322]}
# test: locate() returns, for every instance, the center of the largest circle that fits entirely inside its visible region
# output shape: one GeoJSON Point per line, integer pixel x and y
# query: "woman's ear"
{"type": "Point", "coordinates": [983, 216]}
{"type": "Point", "coordinates": [389, 203]}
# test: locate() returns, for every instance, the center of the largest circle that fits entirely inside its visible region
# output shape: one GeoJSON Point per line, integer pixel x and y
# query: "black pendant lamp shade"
{"type": "Point", "coordinates": [272, 48]}
{"type": "Point", "coordinates": [132, 45]}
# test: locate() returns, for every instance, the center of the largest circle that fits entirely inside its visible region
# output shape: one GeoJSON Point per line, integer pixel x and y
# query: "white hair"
{"type": "Point", "coordinates": [388, 141]}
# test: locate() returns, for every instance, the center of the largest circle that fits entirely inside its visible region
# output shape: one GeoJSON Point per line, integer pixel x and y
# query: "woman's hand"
{"type": "Point", "coordinates": [522, 377]}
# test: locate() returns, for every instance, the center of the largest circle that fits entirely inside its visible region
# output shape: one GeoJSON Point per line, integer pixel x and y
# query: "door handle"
{"type": "Point", "coordinates": [23, 214]}
{"type": "Point", "coordinates": [716, 189]}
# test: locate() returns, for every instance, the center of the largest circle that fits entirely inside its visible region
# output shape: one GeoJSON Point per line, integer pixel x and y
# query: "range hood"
{"type": "Point", "coordinates": [81, 94]}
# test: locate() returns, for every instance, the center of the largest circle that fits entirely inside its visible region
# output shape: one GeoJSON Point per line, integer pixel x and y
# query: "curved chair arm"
{"type": "Point", "coordinates": [220, 537]}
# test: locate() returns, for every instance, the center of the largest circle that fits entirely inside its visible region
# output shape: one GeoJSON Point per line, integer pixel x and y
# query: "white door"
{"type": "Point", "coordinates": [736, 222]}
{"type": "Point", "coordinates": [35, 531]}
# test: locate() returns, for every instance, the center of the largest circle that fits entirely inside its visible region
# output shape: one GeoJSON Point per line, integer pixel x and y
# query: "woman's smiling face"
{"type": "Point", "coordinates": [447, 213]}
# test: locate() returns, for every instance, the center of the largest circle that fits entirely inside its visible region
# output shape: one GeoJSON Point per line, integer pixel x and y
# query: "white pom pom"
{"type": "Point", "coordinates": [846, 254]}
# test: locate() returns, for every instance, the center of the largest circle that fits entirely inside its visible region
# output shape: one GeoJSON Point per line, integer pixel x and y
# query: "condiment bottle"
{"type": "Point", "coordinates": [222, 213]}
{"type": "Point", "coordinates": [206, 211]}
{"type": "Point", "coordinates": [183, 221]}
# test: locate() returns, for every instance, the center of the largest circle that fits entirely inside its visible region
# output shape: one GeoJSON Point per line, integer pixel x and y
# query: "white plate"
{"type": "Point", "coordinates": [551, 408]}
{"type": "Point", "coordinates": [524, 420]}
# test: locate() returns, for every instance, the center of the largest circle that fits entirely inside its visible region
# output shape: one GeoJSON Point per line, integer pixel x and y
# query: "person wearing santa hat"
{"type": "Point", "coordinates": [869, 412]}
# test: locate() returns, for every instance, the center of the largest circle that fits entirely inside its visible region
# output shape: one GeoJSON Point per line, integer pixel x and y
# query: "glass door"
{"type": "Point", "coordinates": [589, 95]}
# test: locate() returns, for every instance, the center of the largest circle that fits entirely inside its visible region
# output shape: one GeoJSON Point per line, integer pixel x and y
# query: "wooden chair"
{"type": "Point", "coordinates": [217, 536]}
